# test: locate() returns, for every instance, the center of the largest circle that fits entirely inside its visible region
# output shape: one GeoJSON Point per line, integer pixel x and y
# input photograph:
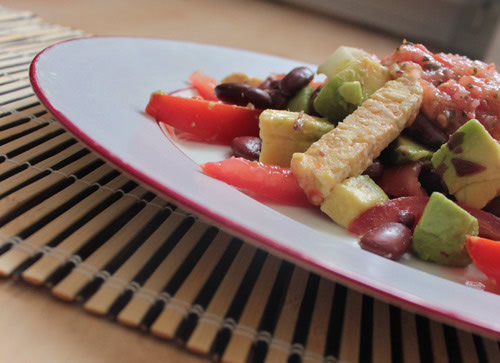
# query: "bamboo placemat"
{"type": "Point", "coordinates": [74, 224]}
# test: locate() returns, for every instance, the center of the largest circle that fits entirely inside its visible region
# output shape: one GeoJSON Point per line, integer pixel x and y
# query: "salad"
{"type": "Point", "coordinates": [403, 152]}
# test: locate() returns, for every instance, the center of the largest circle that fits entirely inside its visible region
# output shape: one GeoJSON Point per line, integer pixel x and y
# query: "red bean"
{"type": "Point", "coordinates": [390, 240]}
{"type": "Point", "coordinates": [247, 147]}
{"type": "Point", "coordinates": [279, 100]}
{"type": "Point", "coordinates": [406, 218]}
{"type": "Point", "coordinates": [295, 80]}
{"type": "Point", "coordinates": [426, 132]}
{"type": "Point", "coordinates": [242, 94]}
{"type": "Point", "coordinates": [375, 170]}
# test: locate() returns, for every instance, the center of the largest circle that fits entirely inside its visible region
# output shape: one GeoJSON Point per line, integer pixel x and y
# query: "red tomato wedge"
{"type": "Point", "coordinates": [270, 181]}
{"type": "Point", "coordinates": [204, 85]}
{"type": "Point", "coordinates": [208, 120]}
{"type": "Point", "coordinates": [387, 212]}
{"type": "Point", "coordinates": [485, 254]}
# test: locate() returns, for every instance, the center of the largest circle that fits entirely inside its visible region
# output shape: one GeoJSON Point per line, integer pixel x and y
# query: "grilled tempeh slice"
{"type": "Point", "coordinates": [352, 146]}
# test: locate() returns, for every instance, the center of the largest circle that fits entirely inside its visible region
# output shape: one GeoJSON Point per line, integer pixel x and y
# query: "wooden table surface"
{"type": "Point", "coordinates": [35, 326]}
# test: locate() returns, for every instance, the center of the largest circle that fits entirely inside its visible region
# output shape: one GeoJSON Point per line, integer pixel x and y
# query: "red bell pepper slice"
{"type": "Point", "coordinates": [387, 212]}
{"type": "Point", "coordinates": [208, 120]}
{"type": "Point", "coordinates": [270, 181]}
{"type": "Point", "coordinates": [204, 85]}
{"type": "Point", "coordinates": [485, 254]}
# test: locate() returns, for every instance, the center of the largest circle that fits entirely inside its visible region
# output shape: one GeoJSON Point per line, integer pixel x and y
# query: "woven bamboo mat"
{"type": "Point", "coordinates": [72, 223]}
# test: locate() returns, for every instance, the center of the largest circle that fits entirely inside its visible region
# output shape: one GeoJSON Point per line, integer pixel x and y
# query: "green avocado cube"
{"type": "Point", "coordinates": [440, 234]}
{"type": "Point", "coordinates": [340, 59]}
{"type": "Point", "coordinates": [469, 164]}
{"type": "Point", "coordinates": [404, 150]}
{"type": "Point", "coordinates": [302, 100]}
{"type": "Point", "coordinates": [350, 88]}
{"type": "Point", "coordinates": [351, 198]}
{"type": "Point", "coordinates": [284, 133]}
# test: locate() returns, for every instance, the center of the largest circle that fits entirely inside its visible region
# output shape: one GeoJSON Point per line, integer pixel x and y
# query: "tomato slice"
{"type": "Point", "coordinates": [270, 181]}
{"type": "Point", "coordinates": [204, 85]}
{"type": "Point", "coordinates": [485, 254]}
{"type": "Point", "coordinates": [387, 212]}
{"type": "Point", "coordinates": [208, 120]}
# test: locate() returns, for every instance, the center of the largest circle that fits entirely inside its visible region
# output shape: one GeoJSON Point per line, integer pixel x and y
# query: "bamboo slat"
{"type": "Point", "coordinates": [68, 288]}
{"type": "Point", "coordinates": [349, 348]}
{"type": "Point", "coordinates": [410, 339]}
{"type": "Point", "coordinates": [147, 294]}
{"type": "Point", "coordinates": [170, 318]}
{"type": "Point", "coordinates": [117, 283]}
{"type": "Point", "coordinates": [243, 335]}
{"type": "Point", "coordinates": [203, 336]}
{"type": "Point", "coordinates": [279, 347]}
{"type": "Point", "coordinates": [316, 339]}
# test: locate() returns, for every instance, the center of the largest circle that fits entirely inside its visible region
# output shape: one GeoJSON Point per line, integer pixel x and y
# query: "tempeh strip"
{"type": "Point", "coordinates": [351, 147]}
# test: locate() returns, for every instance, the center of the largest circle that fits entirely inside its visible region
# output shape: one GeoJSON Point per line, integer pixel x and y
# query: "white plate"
{"type": "Point", "coordinates": [99, 87]}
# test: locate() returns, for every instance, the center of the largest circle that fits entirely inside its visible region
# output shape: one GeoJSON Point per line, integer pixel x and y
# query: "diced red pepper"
{"type": "Point", "coordinates": [204, 85]}
{"type": "Point", "coordinates": [486, 256]}
{"type": "Point", "coordinates": [270, 181]}
{"type": "Point", "coordinates": [210, 121]}
{"type": "Point", "coordinates": [387, 212]}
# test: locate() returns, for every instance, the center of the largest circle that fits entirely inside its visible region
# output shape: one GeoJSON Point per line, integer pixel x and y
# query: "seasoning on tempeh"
{"type": "Point", "coordinates": [351, 147]}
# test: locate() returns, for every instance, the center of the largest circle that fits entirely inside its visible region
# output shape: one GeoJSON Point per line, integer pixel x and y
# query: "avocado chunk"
{"type": "Point", "coordinates": [340, 59]}
{"type": "Point", "coordinates": [404, 150]}
{"type": "Point", "coordinates": [302, 100]}
{"type": "Point", "coordinates": [440, 234]}
{"type": "Point", "coordinates": [284, 133]}
{"type": "Point", "coordinates": [351, 198]}
{"type": "Point", "coordinates": [469, 164]}
{"type": "Point", "coordinates": [349, 88]}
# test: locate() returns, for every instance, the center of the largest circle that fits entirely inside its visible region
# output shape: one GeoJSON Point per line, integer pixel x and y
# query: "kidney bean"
{"type": "Point", "coordinates": [375, 170]}
{"type": "Point", "coordinates": [279, 100]}
{"type": "Point", "coordinates": [296, 79]}
{"type": "Point", "coordinates": [247, 147]}
{"type": "Point", "coordinates": [390, 240]}
{"type": "Point", "coordinates": [406, 218]}
{"type": "Point", "coordinates": [242, 95]}
{"type": "Point", "coordinates": [426, 132]}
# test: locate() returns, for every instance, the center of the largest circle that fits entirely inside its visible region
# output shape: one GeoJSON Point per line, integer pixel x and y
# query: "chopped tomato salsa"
{"type": "Point", "coordinates": [456, 88]}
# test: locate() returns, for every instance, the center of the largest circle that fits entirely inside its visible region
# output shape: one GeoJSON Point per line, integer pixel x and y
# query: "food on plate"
{"type": "Point", "coordinates": [406, 150]}
{"type": "Point", "coordinates": [390, 240]}
{"type": "Point", "coordinates": [469, 164]}
{"type": "Point", "coordinates": [442, 230]}
{"type": "Point", "coordinates": [367, 145]}
{"type": "Point", "coordinates": [485, 253]}
{"type": "Point", "coordinates": [284, 133]}
{"type": "Point", "coordinates": [349, 88]}
{"type": "Point", "coordinates": [351, 198]}
{"type": "Point", "coordinates": [352, 146]}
